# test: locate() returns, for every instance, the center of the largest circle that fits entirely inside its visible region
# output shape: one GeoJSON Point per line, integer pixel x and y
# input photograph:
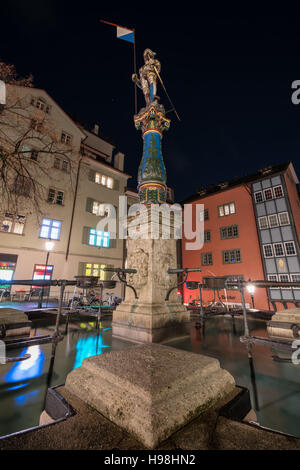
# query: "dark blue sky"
{"type": "Point", "coordinates": [229, 76]}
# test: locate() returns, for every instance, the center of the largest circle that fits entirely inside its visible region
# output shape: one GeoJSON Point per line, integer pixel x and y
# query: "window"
{"type": "Point", "coordinates": [57, 163]}
{"type": "Point", "coordinates": [263, 222]}
{"type": "Point", "coordinates": [207, 235]}
{"type": "Point", "coordinates": [203, 215]}
{"type": "Point", "coordinates": [234, 278]}
{"type": "Point", "coordinates": [284, 278]}
{"type": "Point", "coordinates": [232, 256]}
{"type": "Point", "coordinates": [12, 223]}
{"type": "Point", "coordinates": [273, 220]}
{"type": "Point", "coordinates": [268, 194]}
{"type": "Point", "coordinates": [109, 183]}
{"type": "Point", "coordinates": [231, 231]}
{"type": "Point", "coordinates": [258, 197]}
{"type": "Point", "coordinates": [98, 238]}
{"type": "Point", "coordinates": [295, 278]}
{"type": "Point", "coordinates": [290, 248]}
{"type": "Point", "coordinates": [65, 165]}
{"type": "Point", "coordinates": [278, 249]}
{"type": "Point", "coordinates": [65, 138]}
{"type": "Point", "coordinates": [206, 259]}
{"type": "Point", "coordinates": [284, 218]}
{"type": "Point", "coordinates": [100, 209]}
{"type": "Point", "coordinates": [61, 164]}
{"type": "Point", "coordinates": [226, 209]}
{"type": "Point", "coordinates": [268, 251]}
{"type": "Point", "coordinates": [55, 196]}
{"type": "Point", "coordinates": [278, 191]}
{"type": "Point", "coordinates": [50, 229]}
{"type": "Point", "coordinates": [36, 125]}
{"type": "Point", "coordinates": [34, 155]}
{"type": "Point", "coordinates": [273, 277]}
{"type": "Point", "coordinates": [92, 269]}
{"type": "Point", "coordinates": [41, 104]}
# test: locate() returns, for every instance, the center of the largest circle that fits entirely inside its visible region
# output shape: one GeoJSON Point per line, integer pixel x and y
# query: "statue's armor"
{"type": "Point", "coordinates": [148, 75]}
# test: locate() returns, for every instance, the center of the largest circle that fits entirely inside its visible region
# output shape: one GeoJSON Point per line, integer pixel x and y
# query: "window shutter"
{"type": "Point", "coordinates": [81, 268]}
{"type": "Point", "coordinates": [89, 204]}
{"type": "Point", "coordinates": [92, 175]}
{"type": "Point", "coordinates": [85, 235]}
{"type": "Point", "coordinates": [116, 185]}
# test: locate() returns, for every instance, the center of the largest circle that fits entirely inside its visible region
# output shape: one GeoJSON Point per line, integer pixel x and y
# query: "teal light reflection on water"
{"type": "Point", "coordinates": [29, 368]}
{"type": "Point", "coordinates": [87, 347]}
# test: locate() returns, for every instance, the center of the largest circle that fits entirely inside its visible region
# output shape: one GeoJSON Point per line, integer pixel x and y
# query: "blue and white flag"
{"type": "Point", "coordinates": [125, 34]}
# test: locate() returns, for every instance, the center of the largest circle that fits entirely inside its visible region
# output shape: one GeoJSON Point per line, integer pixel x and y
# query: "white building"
{"type": "Point", "coordinates": [74, 183]}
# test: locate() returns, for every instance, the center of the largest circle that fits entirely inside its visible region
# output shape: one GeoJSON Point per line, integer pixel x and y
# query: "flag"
{"type": "Point", "coordinates": [2, 92]}
{"type": "Point", "coordinates": [122, 33]}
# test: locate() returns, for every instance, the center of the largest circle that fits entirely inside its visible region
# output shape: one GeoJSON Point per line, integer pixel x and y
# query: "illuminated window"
{"type": "Point", "coordinates": [98, 238]}
{"type": "Point", "coordinates": [278, 191]}
{"type": "Point", "coordinates": [12, 223]}
{"type": "Point", "coordinates": [50, 229]}
{"type": "Point", "coordinates": [101, 179]}
{"type": "Point", "coordinates": [95, 270]}
{"type": "Point", "coordinates": [100, 209]}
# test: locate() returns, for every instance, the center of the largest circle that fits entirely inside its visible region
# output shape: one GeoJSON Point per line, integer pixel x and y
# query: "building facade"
{"type": "Point", "coordinates": [75, 184]}
{"type": "Point", "coordinates": [251, 231]}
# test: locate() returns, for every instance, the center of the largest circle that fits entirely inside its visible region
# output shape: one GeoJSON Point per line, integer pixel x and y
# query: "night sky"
{"type": "Point", "coordinates": [229, 76]}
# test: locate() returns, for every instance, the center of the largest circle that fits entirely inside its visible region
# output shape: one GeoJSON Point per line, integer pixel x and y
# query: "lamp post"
{"type": "Point", "coordinates": [251, 290]}
{"type": "Point", "coordinates": [49, 246]}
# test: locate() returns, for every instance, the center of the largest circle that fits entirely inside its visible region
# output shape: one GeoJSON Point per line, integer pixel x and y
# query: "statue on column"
{"type": "Point", "coordinates": [148, 76]}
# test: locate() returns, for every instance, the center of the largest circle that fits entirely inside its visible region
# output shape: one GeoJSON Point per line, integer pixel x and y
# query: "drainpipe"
{"type": "Point", "coordinates": [73, 209]}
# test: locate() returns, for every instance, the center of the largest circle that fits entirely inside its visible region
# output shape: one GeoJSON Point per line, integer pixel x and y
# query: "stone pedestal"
{"type": "Point", "coordinates": [151, 390]}
{"type": "Point", "coordinates": [151, 318]}
{"type": "Point", "coordinates": [285, 324]}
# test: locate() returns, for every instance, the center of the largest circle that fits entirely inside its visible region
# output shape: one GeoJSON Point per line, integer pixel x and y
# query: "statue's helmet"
{"type": "Point", "coordinates": [150, 53]}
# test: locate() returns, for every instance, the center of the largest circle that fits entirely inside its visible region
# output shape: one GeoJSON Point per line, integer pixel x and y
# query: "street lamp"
{"type": "Point", "coordinates": [251, 290]}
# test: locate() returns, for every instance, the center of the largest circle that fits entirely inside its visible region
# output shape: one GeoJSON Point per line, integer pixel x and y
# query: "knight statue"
{"type": "Point", "coordinates": [148, 76]}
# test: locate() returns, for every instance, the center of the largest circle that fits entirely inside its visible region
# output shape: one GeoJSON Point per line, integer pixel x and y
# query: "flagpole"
{"type": "Point", "coordinates": [134, 65]}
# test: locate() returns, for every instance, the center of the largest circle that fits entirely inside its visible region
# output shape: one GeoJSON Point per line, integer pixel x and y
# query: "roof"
{"type": "Point", "coordinates": [226, 185]}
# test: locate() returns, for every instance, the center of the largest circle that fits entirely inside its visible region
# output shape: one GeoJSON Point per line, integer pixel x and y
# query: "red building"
{"type": "Point", "coordinates": [251, 231]}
